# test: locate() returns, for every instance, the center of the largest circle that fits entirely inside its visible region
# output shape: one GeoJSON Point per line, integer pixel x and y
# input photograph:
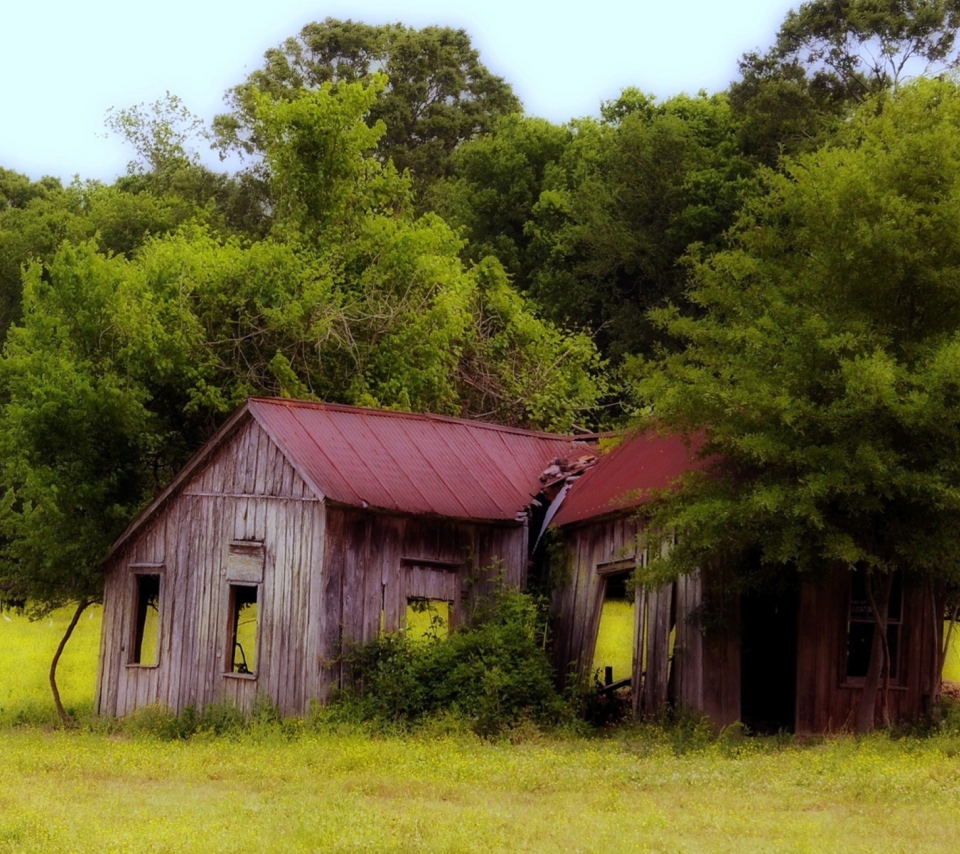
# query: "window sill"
{"type": "Point", "coordinates": [857, 685]}
{"type": "Point", "coordinates": [246, 677]}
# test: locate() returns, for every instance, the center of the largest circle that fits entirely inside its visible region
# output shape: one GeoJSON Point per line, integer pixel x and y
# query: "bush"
{"type": "Point", "coordinates": [493, 672]}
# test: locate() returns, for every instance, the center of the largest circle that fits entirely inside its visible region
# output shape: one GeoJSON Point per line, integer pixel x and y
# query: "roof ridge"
{"type": "Point", "coordinates": [417, 416]}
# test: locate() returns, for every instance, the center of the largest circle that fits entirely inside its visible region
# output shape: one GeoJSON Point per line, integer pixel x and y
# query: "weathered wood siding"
{"type": "Point", "coordinates": [826, 700]}
{"type": "Point", "coordinates": [375, 561]}
{"type": "Point", "coordinates": [328, 573]}
{"type": "Point", "coordinates": [578, 600]}
{"type": "Point", "coordinates": [703, 670]}
{"type": "Point", "coordinates": [247, 491]}
{"type": "Point", "coordinates": [699, 670]}
{"type": "Point", "coordinates": [718, 623]}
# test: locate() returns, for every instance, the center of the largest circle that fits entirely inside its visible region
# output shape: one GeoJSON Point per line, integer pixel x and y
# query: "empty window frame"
{"type": "Point", "coordinates": [861, 626]}
{"type": "Point", "coordinates": [145, 649]}
{"type": "Point", "coordinates": [613, 653]}
{"type": "Point", "coordinates": [242, 625]}
{"type": "Point", "coordinates": [427, 619]}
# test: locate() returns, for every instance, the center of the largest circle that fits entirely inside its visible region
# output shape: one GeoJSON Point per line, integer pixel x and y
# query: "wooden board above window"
{"type": "Point", "coordinates": [245, 560]}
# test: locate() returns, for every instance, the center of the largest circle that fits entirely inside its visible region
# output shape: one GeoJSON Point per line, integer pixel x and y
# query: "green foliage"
{"type": "Point", "coordinates": [439, 93]}
{"type": "Point", "coordinates": [493, 671]}
{"type": "Point", "coordinates": [81, 446]}
{"type": "Point", "coordinates": [829, 55]}
{"type": "Point", "coordinates": [162, 134]}
{"type": "Point", "coordinates": [822, 368]}
{"type": "Point", "coordinates": [627, 198]}
{"type": "Point", "coordinates": [319, 151]}
{"type": "Point", "coordinates": [40, 216]}
{"type": "Point", "coordinates": [497, 180]}
{"type": "Point", "coordinates": [124, 364]}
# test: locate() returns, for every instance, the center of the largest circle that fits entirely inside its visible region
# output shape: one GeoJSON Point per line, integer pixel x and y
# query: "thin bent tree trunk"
{"type": "Point", "coordinates": [879, 654]}
{"type": "Point", "coordinates": [81, 607]}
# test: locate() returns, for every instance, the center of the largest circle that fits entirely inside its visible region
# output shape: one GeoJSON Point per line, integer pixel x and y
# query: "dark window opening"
{"type": "Point", "coordinates": [146, 633]}
{"type": "Point", "coordinates": [242, 630]}
{"type": "Point", "coordinates": [861, 627]}
{"type": "Point", "coordinates": [427, 619]}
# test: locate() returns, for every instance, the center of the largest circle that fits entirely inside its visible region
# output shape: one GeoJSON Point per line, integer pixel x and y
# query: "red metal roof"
{"type": "Point", "coordinates": [627, 476]}
{"type": "Point", "coordinates": [423, 464]}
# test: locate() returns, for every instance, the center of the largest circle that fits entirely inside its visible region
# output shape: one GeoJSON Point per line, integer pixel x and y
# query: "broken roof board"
{"type": "Point", "coordinates": [627, 476]}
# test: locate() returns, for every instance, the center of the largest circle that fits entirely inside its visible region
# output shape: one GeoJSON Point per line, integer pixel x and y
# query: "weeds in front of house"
{"type": "Point", "coordinates": [492, 673]}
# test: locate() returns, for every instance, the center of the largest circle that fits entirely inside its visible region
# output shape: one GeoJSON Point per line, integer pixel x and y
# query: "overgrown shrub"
{"type": "Point", "coordinates": [215, 720]}
{"type": "Point", "coordinates": [493, 671]}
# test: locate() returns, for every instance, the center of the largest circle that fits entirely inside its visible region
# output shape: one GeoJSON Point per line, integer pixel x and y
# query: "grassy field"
{"type": "Point", "coordinates": [347, 792]}
{"type": "Point", "coordinates": [26, 648]}
{"type": "Point", "coordinates": [325, 787]}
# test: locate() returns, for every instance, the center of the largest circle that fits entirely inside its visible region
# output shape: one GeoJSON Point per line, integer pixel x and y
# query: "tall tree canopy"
{"type": "Point", "coordinates": [823, 366]}
{"type": "Point", "coordinates": [617, 212]}
{"type": "Point", "coordinates": [439, 92]}
{"type": "Point", "coordinates": [829, 54]}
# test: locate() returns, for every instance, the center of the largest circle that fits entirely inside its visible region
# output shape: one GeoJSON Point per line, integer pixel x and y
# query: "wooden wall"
{"type": "Point", "coordinates": [826, 700]}
{"type": "Point", "coordinates": [578, 599]}
{"type": "Point", "coordinates": [376, 561]}
{"type": "Point", "coordinates": [700, 670]}
{"type": "Point", "coordinates": [246, 492]}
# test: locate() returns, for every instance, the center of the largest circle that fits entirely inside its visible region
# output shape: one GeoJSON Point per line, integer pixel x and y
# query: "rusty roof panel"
{"type": "Point", "coordinates": [627, 476]}
{"type": "Point", "coordinates": [409, 463]}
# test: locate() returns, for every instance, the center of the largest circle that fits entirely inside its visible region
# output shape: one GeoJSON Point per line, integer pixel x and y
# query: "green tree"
{"type": "Point", "coordinates": [165, 137]}
{"type": "Point", "coordinates": [822, 367]}
{"type": "Point", "coordinates": [416, 328]}
{"type": "Point", "coordinates": [439, 94]}
{"type": "Point", "coordinates": [39, 216]}
{"type": "Point", "coordinates": [122, 365]}
{"type": "Point", "coordinates": [831, 54]}
{"type": "Point", "coordinates": [83, 440]}
{"type": "Point", "coordinates": [496, 183]}
{"type": "Point", "coordinates": [629, 195]}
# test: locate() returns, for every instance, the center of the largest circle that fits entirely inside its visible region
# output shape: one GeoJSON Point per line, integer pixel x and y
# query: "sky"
{"type": "Point", "coordinates": [65, 63]}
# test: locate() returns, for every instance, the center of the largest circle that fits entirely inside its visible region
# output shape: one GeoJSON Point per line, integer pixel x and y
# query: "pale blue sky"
{"type": "Point", "coordinates": [64, 63]}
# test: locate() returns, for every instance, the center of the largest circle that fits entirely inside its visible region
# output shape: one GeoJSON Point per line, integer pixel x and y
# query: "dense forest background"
{"type": "Point", "coordinates": [401, 234]}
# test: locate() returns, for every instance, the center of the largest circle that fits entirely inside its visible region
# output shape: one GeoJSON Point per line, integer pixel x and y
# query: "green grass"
{"type": "Point", "coordinates": [322, 787]}
{"type": "Point", "coordinates": [348, 792]}
{"type": "Point", "coordinates": [26, 649]}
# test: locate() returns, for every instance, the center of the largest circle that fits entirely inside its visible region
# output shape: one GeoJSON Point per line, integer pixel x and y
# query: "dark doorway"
{"type": "Point", "coordinates": [768, 660]}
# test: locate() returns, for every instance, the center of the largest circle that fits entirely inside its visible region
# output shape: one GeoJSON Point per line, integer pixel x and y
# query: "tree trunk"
{"type": "Point", "coordinates": [64, 717]}
{"type": "Point", "coordinates": [878, 594]}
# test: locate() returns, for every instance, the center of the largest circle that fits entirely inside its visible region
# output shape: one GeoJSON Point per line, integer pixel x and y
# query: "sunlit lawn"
{"type": "Point", "coordinates": [86, 792]}
{"type": "Point", "coordinates": [26, 649]}
{"type": "Point", "coordinates": [299, 788]}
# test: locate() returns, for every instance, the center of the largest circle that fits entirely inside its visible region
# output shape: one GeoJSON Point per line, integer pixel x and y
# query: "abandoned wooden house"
{"type": "Point", "coordinates": [793, 660]}
{"type": "Point", "coordinates": [302, 527]}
